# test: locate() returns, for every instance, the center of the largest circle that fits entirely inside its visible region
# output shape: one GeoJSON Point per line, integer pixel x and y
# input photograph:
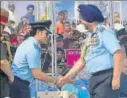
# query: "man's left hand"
{"type": "Point", "coordinates": [115, 83]}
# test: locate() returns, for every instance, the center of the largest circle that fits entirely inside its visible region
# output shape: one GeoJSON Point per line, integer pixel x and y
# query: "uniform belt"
{"type": "Point", "coordinates": [24, 81]}
{"type": "Point", "coordinates": [102, 72]}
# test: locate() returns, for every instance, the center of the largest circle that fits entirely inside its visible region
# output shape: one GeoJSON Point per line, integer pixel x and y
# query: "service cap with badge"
{"type": "Point", "coordinates": [41, 25]}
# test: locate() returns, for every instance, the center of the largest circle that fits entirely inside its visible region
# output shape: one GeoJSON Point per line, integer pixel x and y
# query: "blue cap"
{"type": "Point", "coordinates": [30, 6]}
{"type": "Point", "coordinates": [90, 13]}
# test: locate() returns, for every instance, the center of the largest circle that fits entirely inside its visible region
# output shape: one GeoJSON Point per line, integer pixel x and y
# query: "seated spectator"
{"type": "Point", "coordinates": [6, 35]}
{"type": "Point", "coordinates": [107, 21]}
{"type": "Point", "coordinates": [59, 41]}
{"type": "Point", "coordinates": [11, 10]}
{"type": "Point", "coordinates": [12, 18]}
{"type": "Point", "coordinates": [24, 27]}
{"type": "Point", "coordinates": [74, 45]}
{"type": "Point", "coordinates": [73, 26]}
{"type": "Point", "coordinates": [116, 16]}
{"type": "Point", "coordinates": [11, 28]}
{"type": "Point", "coordinates": [66, 18]}
{"type": "Point", "coordinates": [60, 23]}
{"type": "Point", "coordinates": [79, 91]}
{"type": "Point", "coordinates": [72, 42]}
{"type": "Point", "coordinates": [13, 40]}
{"type": "Point", "coordinates": [67, 30]}
{"type": "Point", "coordinates": [24, 21]}
{"type": "Point", "coordinates": [60, 54]}
{"type": "Point", "coordinates": [81, 27]}
{"type": "Point", "coordinates": [119, 28]}
{"type": "Point", "coordinates": [20, 38]}
{"type": "Point", "coordinates": [17, 39]}
{"type": "Point", "coordinates": [61, 61]}
{"type": "Point", "coordinates": [76, 35]}
{"type": "Point", "coordinates": [67, 43]}
{"type": "Point", "coordinates": [29, 15]}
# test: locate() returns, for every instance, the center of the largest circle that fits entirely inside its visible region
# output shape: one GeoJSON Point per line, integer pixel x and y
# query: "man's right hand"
{"type": "Point", "coordinates": [61, 81]}
{"type": "Point", "coordinates": [11, 78]}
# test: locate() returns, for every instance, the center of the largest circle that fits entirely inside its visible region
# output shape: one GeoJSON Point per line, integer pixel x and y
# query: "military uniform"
{"type": "Point", "coordinates": [5, 54]}
{"type": "Point", "coordinates": [27, 57]}
{"type": "Point", "coordinates": [97, 52]}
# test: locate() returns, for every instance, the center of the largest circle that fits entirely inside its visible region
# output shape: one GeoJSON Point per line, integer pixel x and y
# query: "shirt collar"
{"type": "Point", "coordinates": [99, 25]}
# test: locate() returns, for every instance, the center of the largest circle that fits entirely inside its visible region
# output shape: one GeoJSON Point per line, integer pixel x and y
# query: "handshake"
{"type": "Point", "coordinates": [60, 81]}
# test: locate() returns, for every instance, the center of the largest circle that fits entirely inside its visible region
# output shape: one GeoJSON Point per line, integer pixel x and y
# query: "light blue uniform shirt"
{"type": "Point", "coordinates": [100, 50]}
{"type": "Point", "coordinates": [28, 56]}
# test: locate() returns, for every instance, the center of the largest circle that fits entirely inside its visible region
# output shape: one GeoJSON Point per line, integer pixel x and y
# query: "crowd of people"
{"type": "Point", "coordinates": [69, 35]}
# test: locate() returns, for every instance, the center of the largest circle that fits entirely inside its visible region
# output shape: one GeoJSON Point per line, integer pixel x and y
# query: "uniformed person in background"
{"type": "Point", "coordinates": [27, 61]}
{"type": "Point", "coordinates": [101, 55]}
{"type": "Point", "coordinates": [123, 88]}
{"type": "Point", "coordinates": [6, 75]}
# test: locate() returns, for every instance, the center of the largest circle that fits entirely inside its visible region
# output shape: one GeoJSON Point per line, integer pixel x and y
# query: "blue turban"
{"type": "Point", "coordinates": [30, 6]}
{"type": "Point", "coordinates": [90, 13]}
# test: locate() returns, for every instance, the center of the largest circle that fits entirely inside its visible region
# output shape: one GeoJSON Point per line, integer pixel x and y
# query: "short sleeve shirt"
{"type": "Point", "coordinates": [100, 48]}
{"type": "Point", "coordinates": [59, 28]}
{"type": "Point", "coordinates": [28, 56]}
